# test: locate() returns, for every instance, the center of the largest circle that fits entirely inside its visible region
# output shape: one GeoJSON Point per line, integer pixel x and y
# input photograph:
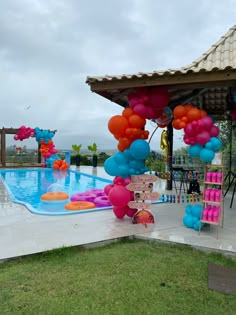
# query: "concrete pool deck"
{"type": "Point", "coordinates": [24, 233]}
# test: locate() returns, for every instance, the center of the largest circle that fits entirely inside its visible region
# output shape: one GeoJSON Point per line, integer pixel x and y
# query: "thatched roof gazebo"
{"type": "Point", "coordinates": [205, 82]}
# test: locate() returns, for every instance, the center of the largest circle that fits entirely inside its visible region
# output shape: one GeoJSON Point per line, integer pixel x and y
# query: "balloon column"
{"type": "Point", "coordinates": [199, 131]}
{"type": "Point", "coordinates": [128, 130]}
{"type": "Point", "coordinates": [192, 217]}
{"type": "Point", "coordinates": [47, 147]}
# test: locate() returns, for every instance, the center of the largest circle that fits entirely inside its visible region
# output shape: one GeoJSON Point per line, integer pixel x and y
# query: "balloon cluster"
{"type": "Point", "coordinates": [149, 102]}
{"type": "Point", "coordinates": [24, 133]}
{"type": "Point", "coordinates": [199, 131]}
{"type": "Point", "coordinates": [127, 127]}
{"type": "Point", "coordinates": [47, 148]}
{"type": "Point", "coordinates": [165, 118]}
{"type": "Point", "coordinates": [60, 165]}
{"type": "Point", "coordinates": [45, 135]}
{"type": "Point", "coordinates": [119, 196]}
{"type": "Point", "coordinates": [192, 217]}
{"type": "Point", "coordinates": [130, 162]}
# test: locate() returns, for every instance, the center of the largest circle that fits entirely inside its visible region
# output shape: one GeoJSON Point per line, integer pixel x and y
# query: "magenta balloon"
{"type": "Point", "coordinates": [118, 180]}
{"type": "Point", "coordinates": [127, 180]}
{"type": "Point", "coordinates": [108, 188]}
{"type": "Point", "coordinates": [140, 109]}
{"type": "Point", "coordinates": [189, 131]}
{"type": "Point", "coordinates": [214, 131]}
{"type": "Point", "coordinates": [130, 212]}
{"type": "Point", "coordinates": [207, 122]}
{"type": "Point", "coordinates": [203, 137]}
{"type": "Point", "coordinates": [150, 113]}
{"type": "Point", "coordinates": [186, 140]}
{"type": "Point", "coordinates": [119, 212]}
{"type": "Point", "coordinates": [233, 114]}
{"type": "Point", "coordinates": [159, 97]}
{"type": "Point", "coordinates": [119, 196]}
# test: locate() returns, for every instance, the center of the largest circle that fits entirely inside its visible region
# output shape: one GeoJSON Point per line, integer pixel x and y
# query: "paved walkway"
{"type": "Point", "coordinates": [23, 233]}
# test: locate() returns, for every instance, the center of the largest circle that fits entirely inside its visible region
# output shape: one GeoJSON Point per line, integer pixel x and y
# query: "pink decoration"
{"type": "Point", "coordinates": [119, 212]}
{"type": "Point", "coordinates": [108, 188]}
{"type": "Point", "coordinates": [119, 196]}
{"type": "Point", "coordinates": [214, 131]}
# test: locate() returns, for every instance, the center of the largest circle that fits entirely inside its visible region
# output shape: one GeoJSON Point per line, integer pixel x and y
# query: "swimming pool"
{"type": "Point", "coordinates": [25, 186]}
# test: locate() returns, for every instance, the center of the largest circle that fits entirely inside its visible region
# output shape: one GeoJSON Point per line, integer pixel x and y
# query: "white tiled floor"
{"type": "Point", "coordinates": [22, 232]}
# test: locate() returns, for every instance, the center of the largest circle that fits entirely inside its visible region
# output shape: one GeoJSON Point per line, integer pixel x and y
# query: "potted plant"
{"type": "Point", "coordinates": [93, 149]}
{"type": "Point", "coordinates": [77, 149]}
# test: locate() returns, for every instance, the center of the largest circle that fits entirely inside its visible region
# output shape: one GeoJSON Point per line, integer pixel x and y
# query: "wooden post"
{"type": "Point", "coordinates": [39, 154]}
{"type": "Point", "coordinates": [3, 147]}
{"type": "Point", "coordinates": [169, 156]}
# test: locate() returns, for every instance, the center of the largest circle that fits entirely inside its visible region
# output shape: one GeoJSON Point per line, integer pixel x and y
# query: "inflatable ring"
{"type": "Point", "coordinates": [53, 196]}
{"type": "Point", "coordinates": [83, 197]}
{"type": "Point", "coordinates": [102, 201]}
{"type": "Point", "coordinates": [79, 205]}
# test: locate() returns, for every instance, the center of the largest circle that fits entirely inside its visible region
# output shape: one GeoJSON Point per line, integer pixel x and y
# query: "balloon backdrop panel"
{"type": "Point", "coordinates": [200, 132]}
{"type": "Point", "coordinates": [47, 147]}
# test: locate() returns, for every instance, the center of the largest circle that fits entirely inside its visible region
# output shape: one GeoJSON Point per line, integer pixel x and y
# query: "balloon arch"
{"type": "Point", "coordinates": [47, 147]}
{"type": "Point", "coordinates": [200, 133]}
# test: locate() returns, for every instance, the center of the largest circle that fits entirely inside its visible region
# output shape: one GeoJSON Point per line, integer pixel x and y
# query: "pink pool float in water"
{"type": "Point", "coordinates": [96, 196]}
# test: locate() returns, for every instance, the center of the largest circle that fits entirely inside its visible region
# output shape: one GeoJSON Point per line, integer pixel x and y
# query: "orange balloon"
{"type": "Point", "coordinates": [193, 114]}
{"type": "Point", "coordinates": [184, 118]}
{"type": "Point", "coordinates": [117, 125]}
{"type": "Point", "coordinates": [203, 113]}
{"type": "Point", "coordinates": [179, 111]}
{"type": "Point", "coordinates": [137, 121]}
{"type": "Point", "coordinates": [182, 124]}
{"type": "Point", "coordinates": [188, 107]}
{"type": "Point", "coordinates": [176, 124]}
{"type": "Point", "coordinates": [127, 112]}
{"type": "Point", "coordinates": [123, 144]}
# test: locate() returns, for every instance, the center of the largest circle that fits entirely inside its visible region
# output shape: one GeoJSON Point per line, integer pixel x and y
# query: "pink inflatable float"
{"type": "Point", "coordinates": [96, 196]}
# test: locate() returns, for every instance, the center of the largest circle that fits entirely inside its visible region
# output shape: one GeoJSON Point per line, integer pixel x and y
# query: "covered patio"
{"type": "Point", "coordinates": [207, 83]}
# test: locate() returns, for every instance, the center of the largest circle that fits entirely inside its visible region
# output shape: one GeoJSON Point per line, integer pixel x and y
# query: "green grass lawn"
{"type": "Point", "coordinates": [131, 277]}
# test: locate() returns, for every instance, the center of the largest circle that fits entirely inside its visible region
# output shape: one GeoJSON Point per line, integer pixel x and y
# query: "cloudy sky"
{"type": "Point", "coordinates": [49, 47]}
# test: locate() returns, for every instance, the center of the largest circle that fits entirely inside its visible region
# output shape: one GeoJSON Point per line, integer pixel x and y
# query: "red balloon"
{"type": "Point", "coordinates": [119, 212]}
{"type": "Point", "coordinates": [130, 212]}
{"type": "Point", "coordinates": [119, 196]}
{"type": "Point", "coordinates": [107, 188]}
{"type": "Point", "coordinates": [214, 131]}
{"type": "Point", "coordinates": [159, 97]}
{"type": "Point", "coordinates": [179, 111]}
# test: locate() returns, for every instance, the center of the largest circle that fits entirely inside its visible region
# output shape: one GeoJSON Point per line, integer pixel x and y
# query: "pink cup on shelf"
{"type": "Point", "coordinates": [216, 212]}
{"type": "Point", "coordinates": [210, 215]}
{"type": "Point", "coordinates": [218, 195]}
{"type": "Point", "coordinates": [214, 177]}
{"type": "Point", "coordinates": [207, 194]}
{"type": "Point", "coordinates": [219, 177]}
{"type": "Point", "coordinates": [208, 177]}
{"type": "Point", "coordinates": [212, 195]}
{"type": "Point", "coordinates": [204, 214]}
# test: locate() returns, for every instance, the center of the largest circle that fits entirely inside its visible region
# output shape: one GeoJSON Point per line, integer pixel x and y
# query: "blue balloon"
{"type": "Point", "coordinates": [197, 225]}
{"type": "Point", "coordinates": [188, 209]}
{"type": "Point", "coordinates": [209, 145]}
{"type": "Point", "coordinates": [197, 210]}
{"type": "Point", "coordinates": [120, 158]}
{"type": "Point", "coordinates": [139, 149]}
{"type": "Point", "coordinates": [194, 150]}
{"type": "Point", "coordinates": [111, 167]}
{"type": "Point", "coordinates": [216, 143]}
{"type": "Point", "coordinates": [188, 221]}
{"type": "Point", "coordinates": [207, 155]}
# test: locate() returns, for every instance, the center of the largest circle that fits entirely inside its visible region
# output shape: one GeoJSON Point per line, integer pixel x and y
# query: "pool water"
{"type": "Point", "coordinates": [26, 186]}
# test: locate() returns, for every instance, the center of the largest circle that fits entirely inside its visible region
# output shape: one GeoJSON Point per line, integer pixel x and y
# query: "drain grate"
{"type": "Point", "coordinates": [221, 279]}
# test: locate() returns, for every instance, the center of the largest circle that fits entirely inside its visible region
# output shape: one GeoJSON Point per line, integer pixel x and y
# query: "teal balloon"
{"type": "Point", "coordinates": [139, 149]}
{"type": "Point", "coordinates": [188, 209]}
{"type": "Point", "coordinates": [188, 221]}
{"type": "Point", "coordinates": [197, 210]}
{"type": "Point", "coordinates": [111, 167]}
{"type": "Point", "coordinates": [194, 150]}
{"type": "Point", "coordinates": [120, 158]}
{"type": "Point", "coordinates": [197, 225]}
{"type": "Point", "coordinates": [207, 155]}
{"type": "Point", "coordinates": [209, 145]}
{"type": "Point", "coordinates": [216, 143]}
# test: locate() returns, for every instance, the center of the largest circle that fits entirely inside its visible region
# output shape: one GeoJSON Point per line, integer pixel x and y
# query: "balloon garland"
{"type": "Point", "coordinates": [200, 132]}
{"type": "Point", "coordinates": [47, 147]}
{"type": "Point", "coordinates": [129, 130]}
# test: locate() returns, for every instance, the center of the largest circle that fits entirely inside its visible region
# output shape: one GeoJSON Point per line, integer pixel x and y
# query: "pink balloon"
{"type": "Point", "coordinates": [107, 188]}
{"type": "Point", "coordinates": [159, 97]}
{"type": "Point", "coordinates": [118, 180]}
{"type": "Point", "coordinates": [130, 212]}
{"type": "Point", "coordinates": [233, 114]}
{"type": "Point", "coordinates": [119, 212]}
{"type": "Point", "coordinates": [140, 109]}
{"type": "Point", "coordinates": [214, 131]}
{"type": "Point", "coordinates": [119, 196]}
{"type": "Point", "coordinates": [150, 113]}
{"type": "Point", "coordinates": [207, 122]}
{"type": "Point", "coordinates": [203, 137]}
{"type": "Point", "coordinates": [127, 180]}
